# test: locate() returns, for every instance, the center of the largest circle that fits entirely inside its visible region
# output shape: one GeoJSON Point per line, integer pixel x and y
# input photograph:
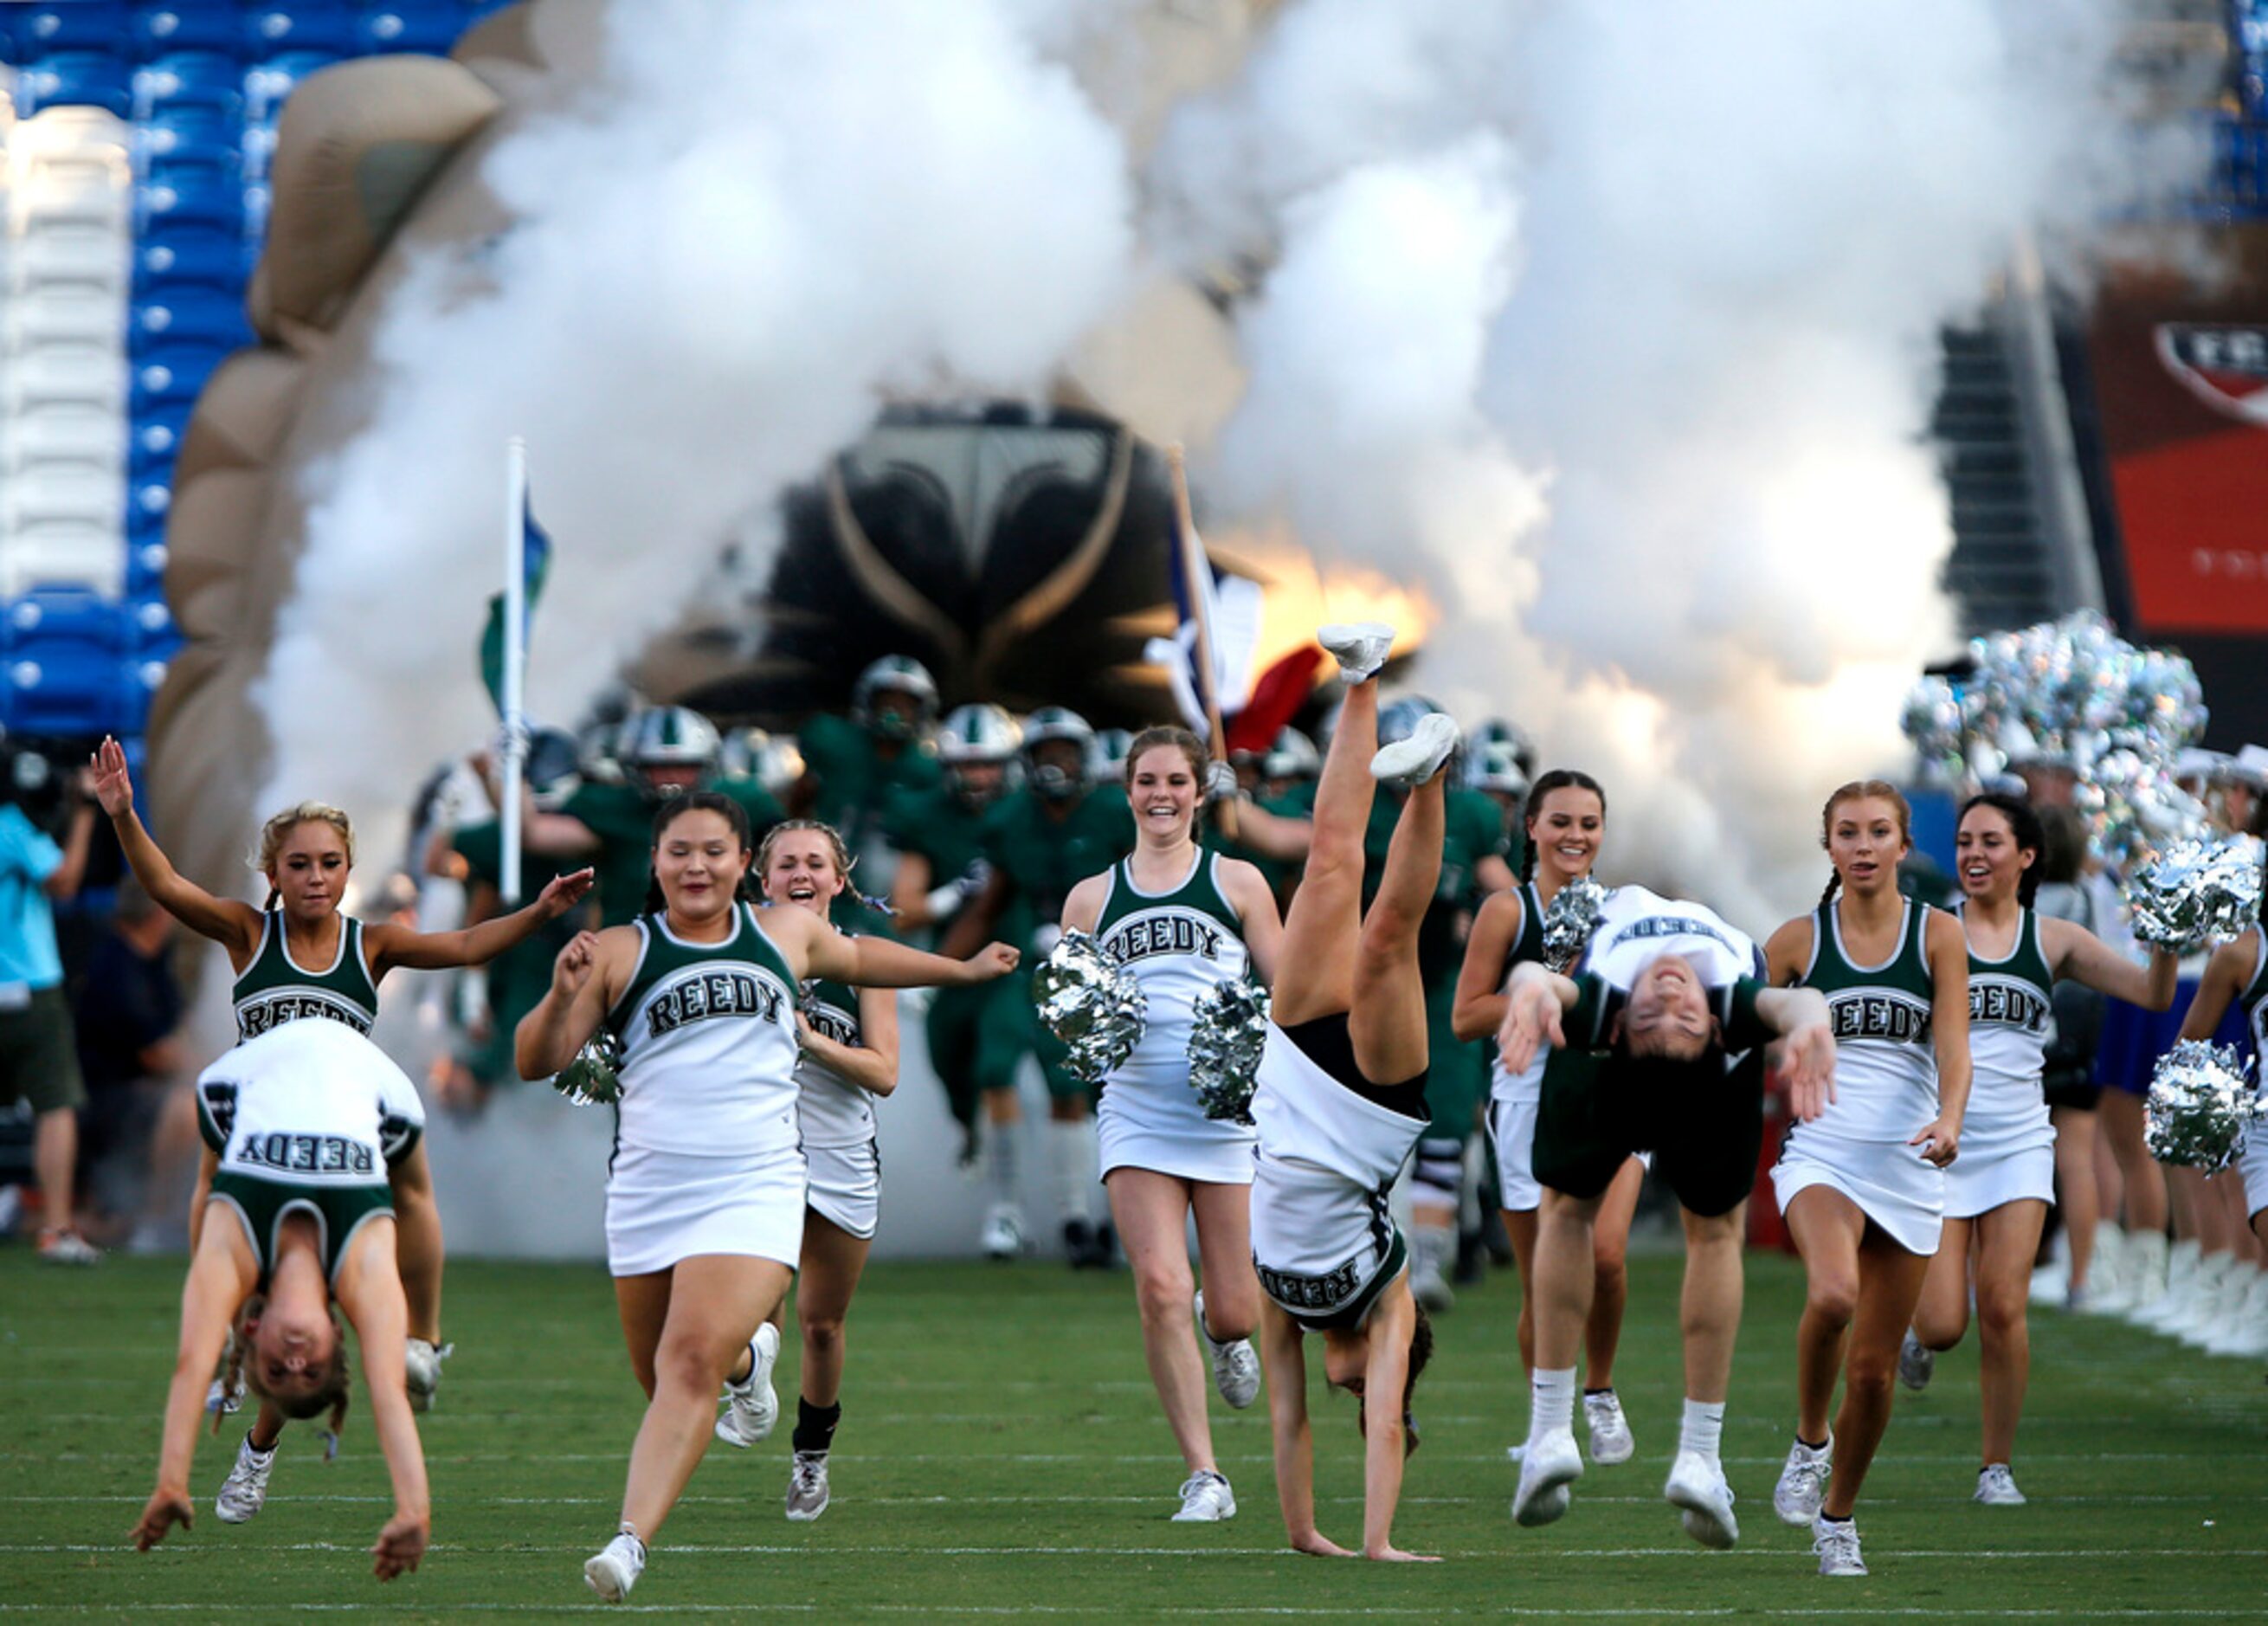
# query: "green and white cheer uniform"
{"type": "Point", "coordinates": [306, 1118]}
{"type": "Point", "coordinates": [275, 988]}
{"type": "Point", "coordinates": [1514, 1098]}
{"type": "Point", "coordinates": [844, 1166]}
{"type": "Point", "coordinates": [1885, 1085]}
{"type": "Point", "coordinates": [706, 1157]}
{"type": "Point", "coordinates": [2254, 1165]}
{"type": "Point", "coordinates": [1179, 945]}
{"type": "Point", "coordinates": [1330, 1144]}
{"type": "Point", "coordinates": [2007, 1143]}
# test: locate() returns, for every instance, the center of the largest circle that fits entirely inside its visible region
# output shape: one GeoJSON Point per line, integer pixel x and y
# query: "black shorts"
{"type": "Point", "coordinates": [1706, 1135]}
{"type": "Point", "coordinates": [2082, 1094]}
{"type": "Point", "coordinates": [39, 1054]}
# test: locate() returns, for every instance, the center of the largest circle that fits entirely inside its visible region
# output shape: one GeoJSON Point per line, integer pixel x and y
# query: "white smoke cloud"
{"type": "Point", "coordinates": [758, 220]}
{"type": "Point", "coordinates": [1619, 323]}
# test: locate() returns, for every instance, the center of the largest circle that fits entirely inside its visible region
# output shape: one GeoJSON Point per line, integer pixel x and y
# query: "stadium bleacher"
{"type": "Point", "coordinates": [121, 290]}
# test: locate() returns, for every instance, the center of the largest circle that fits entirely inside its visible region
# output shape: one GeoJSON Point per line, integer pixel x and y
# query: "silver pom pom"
{"type": "Point", "coordinates": [1089, 1002]}
{"type": "Point", "coordinates": [2200, 1107]}
{"type": "Point", "coordinates": [593, 1077]}
{"type": "Point", "coordinates": [1229, 1032]}
{"type": "Point", "coordinates": [2196, 892]}
{"type": "Point", "coordinates": [1569, 921]}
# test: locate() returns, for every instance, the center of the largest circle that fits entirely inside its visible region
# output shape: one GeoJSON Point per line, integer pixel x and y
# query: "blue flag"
{"type": "Point", "coordinates": [535, 563]}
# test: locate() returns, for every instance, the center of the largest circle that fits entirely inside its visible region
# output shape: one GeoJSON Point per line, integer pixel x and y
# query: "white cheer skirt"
{"type": "Point", "coordinates": [664, 1207]}
{"type": "Point", "coordinates": [1154, 1124]}
{"type": "Point", "coordinates": [1892, 1184]}
{"type": "Point", "coordinates": [846, 1186]}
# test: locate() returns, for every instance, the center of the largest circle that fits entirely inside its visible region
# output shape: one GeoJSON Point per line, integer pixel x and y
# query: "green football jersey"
{"type": "Point", "coordinates": [621, 816]}
{"type": "Point", "coordinates": [856, 784]}
{"type": "Point", "coordinates": [1045, 857]}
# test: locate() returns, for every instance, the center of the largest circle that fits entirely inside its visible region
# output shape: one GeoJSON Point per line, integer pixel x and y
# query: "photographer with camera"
{"type": "Point", "coordinates": [39, 1058]}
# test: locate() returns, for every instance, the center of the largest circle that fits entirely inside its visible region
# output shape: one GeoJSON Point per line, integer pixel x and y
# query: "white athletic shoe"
{"type": "Point", "coordinates": [2146, 1266]}
{"type": "Point", "coordinates": [245, 1486]}
{"type": "Point", "coordinates": [614, 1568]}
{"type": "Point", "coordinates": [2110, 1282]}
{"type": "Point", "coordinates": [424, 1363]}
{"type": "Point", "coordinates": [2181, 1265]}
{"type": "Point", "coordinates": [1235, 1368]}
{"type": "Point", "coordinates": [2223, 1311]}
{"type": "Point", "coordinates": [1004, 1231]}
{"type": "Point", "coordinates": [66, 1246]}
{"type": "Point", "coordinates": [751, 1408]}
{"type": "Point", "coordinates": [1837, 1543]}
{"type": "Point", "coordinates": [1360, 647]}
{"type": "Point", "coordinates": [1411, 762]}
{"type": "Point", "coordinates": [806, 1486]}
{"type": "Point", "coordinates": [1917, 1361]}
{"type": "Point", "coordinates": [1996, 1487]}
{"type": "Point", "coordinates": [1698, 1485]}
{"type": "Point", "coordinates": [1610, 1431]}
{"type": "Point", "coordinates": [1205, 1499]}
{"type": "Point", "coordinates": [1803, 1483]}
{"type": "Point", "coordinates": [1551, 1464]}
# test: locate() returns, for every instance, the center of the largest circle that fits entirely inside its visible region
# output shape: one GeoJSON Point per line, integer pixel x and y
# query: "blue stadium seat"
{"type": "Point", "coordinates": [73, 79]}
{"type": "Point", "coordinates": [150, 499]}
{"type": "Point", "coordinates": [197, 77]}
{"type": "Point", "coordinates": [267, 85]}
{"type": "Point", "coordinates": [163, 25]}
{"type": "Point", "coordinates": [192, 315]}
{"type": "Point", "coordinates": [67, 621]}
{"type": "Point", "coordinates": [196, 255]}
{"type": "Point", "coordinates": [155, 441]}
{"type": "Point", "coordinates": [150, 628]}
{"type": "Point", "coordinates": [322, 26]}
{"type": "Point", "coordinates": [70, 691]}
{"type": "Point", "coordinates": [145, 565]}
{"type": "Point", "coordinates": [69, 25]}
{"type": "Point", "coordinates": [189, 129]}
{"type": "Point", "coordinates": [427, 26]}
{"type": "Point", "coordinates": [189, 196]}
{"type": "Point", "coordinates": [171, 377]}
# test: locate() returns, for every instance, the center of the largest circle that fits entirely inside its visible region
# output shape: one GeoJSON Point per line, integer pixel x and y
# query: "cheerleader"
{"type": "Point", "coordinates": [1659, 1046]}
{"type": "Point", "coordinates": [2237, 973]}
{"type": "Point", "coordinates": [1997, 1194]}
{"type": "Point", "coordinates": [1565, 822]}
{"type": "Point", "coordinates": [1863, 1185]}
{"type": "Point", "coordinates": [849, 1060]}
{"type": "Point", "coordinates": [1340, 1103]}
{"type": "Point", "coordinates": [705, 1192]}
{"type": "Point", "coordinates": [1183, 921]}
{"type": "Point", "coordinates": [306, 855]}
{"type": "Point", "coordinates": [300, 1124]}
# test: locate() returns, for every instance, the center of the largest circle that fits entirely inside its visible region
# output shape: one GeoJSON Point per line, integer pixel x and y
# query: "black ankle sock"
{"type": "Point", "coordinates": [1810, 1445]}
{"type": "Point", "coordinates": [814, 1425]}
{"type": "Point", "coordinates": [258, 1449]}
{"type": "Point", "coordinates": [1830, 1518]}
{"type": "Point", "coordinates": [1588, 1393]}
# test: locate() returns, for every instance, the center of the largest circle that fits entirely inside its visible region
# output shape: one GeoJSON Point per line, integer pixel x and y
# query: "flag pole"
{"type": "Point", "coordinates": [1195, 569]}
{"type": "Point", "coordinates": [513, 770]}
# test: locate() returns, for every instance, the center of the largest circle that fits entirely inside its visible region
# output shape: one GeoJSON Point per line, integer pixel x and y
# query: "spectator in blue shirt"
{"type": "Point", "coordinates": [39, 1058]}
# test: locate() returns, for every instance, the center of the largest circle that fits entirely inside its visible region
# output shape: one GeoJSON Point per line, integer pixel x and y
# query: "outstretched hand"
{"type": "Point", "coordinates": [400, 1545]}
{"type": "Point", "coordinates": [107, 779]}
{"type": "Point", "coordinates": [1532, 1014]}
{"type": "Point", "coordinates": [993, 960]}
{"type": "Point", "coordinates": [1808, 1056]}
{"type": "Point", "coordinates": [167, 1509]}
{"type": "Point", "coordinates": [565, 892]}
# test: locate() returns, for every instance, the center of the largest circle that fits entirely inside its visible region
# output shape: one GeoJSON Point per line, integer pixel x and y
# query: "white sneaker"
{"type": "Point", "coordinates": [1550, 1467]}
{"type": "Point", "coordinates": [1916, 1363]}
{"type": "Point", "coordinates": [1996, 1487]}
{"type": "Point", "coordinates": [1004, 1231]}
{"type": "Point", "coordinates": [1610, 1431]}
{"type": "Point", "coordinates": [2050, 1285]}
{"type": "Point", "coordinates": [1698, 1485]}
{"type": "Point", "coordinates": [614, 1569]}
{"type": "Point", "coordinates": [1411, 762]}
{"type": "Point", "coordinates": [1803, 1483]}
{"type": "Point", "coordinates": [2146, 1266]}
{"type": "Point", "coordinates": [1235, 1367]}
{"type": "Point", "coordinates": [67, 1248]}
{"type": "Point", "coordinates": [2222, 1309]}
{"type": "Point", "coordinates": [2181, 1265]}
{"type": "Point", "coordinates": [751, 1408]}
{"type": "Point", "coordinates": [2196, 1306]}
{"type": "Point", "coordinates": [1360, 647]}
{"type": "Point", "coordinates": [245, 1486]}
{"type": "Point", "coordinates": [1205, 1499]}
{"type": "Point", "coordinates": [1837, 1543]}
{"type": "Point", "coordinates": [424, 1363]}
{"type": "Point", "coordinates": [806, 1486]}
{"type": "Point", "coordinates": [2110, 1284]}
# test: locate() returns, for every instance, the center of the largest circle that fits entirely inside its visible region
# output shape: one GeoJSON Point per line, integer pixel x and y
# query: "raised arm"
{"type": "Point", "coordinates": [221, 1277]}
{"type": "Point", "coordinates": [1948, 1026]}
{"type": "Point", "coordinates": [876, 962]}
{"type": "Point", "coordinates": [1481, 1005]}
{"type": "Point", "coordinates": [1271, 835]}
{"type": "Point", "coordinates": [370, 1292]}
{"type": "Point", "coordinates": [871, 1064]}
{"type": "Point", "coordinates": [1801, 1017]}
{"type": "Point", "coordinates": [2078, 955]}
{"type": "Point", "coordinates": [1537, 1002]}
{"type": "Point", "coordinates": [392, 945]}
{"type": "Point", "coordinates": [586, 980]}
{"type": "Point", "coordinates": [1255, 903]}
{"type": "Point", "coordinates": [228, 922]}
{"type": "Point", "coordinates": [2226, 973]}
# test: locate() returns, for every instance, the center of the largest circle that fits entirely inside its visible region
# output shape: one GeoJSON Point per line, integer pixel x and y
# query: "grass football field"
{"type": "Point", "coordinates": [1001, 1453]}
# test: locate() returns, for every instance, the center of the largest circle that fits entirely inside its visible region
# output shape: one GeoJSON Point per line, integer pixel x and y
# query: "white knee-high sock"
{"type": "Point", "coordinates": [1075, 1158]}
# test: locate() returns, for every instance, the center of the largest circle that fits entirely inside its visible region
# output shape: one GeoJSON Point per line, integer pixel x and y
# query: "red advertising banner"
{"type": "Point", "coordinates": [2181, 386]}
